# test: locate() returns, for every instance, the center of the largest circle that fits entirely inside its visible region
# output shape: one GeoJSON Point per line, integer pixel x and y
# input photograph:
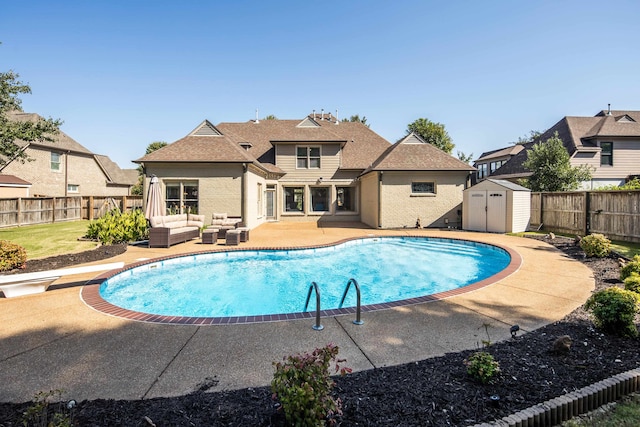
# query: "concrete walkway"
{"type": "Point", "coordinates": [54, 341]}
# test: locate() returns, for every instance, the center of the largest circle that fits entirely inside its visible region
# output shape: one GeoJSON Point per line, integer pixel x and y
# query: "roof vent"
{"type": "Point", "coordinates": [609, 110]}
{"type": "Point", "coordinates": [257, 120]}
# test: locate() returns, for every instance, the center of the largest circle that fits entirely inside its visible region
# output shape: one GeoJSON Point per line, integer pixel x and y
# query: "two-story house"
{"type": "Point", "coordinates": [490, 161]}
{"type": "Point", "coordinates": [608, 142]}
{"type": "Point", "coordinates": [317, 168]}
{"type": "Point", "coordinates": [63, 167]}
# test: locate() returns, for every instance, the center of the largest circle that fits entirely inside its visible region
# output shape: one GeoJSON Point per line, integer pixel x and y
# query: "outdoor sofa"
{"type": "Point", "coordinates": [171, 229]}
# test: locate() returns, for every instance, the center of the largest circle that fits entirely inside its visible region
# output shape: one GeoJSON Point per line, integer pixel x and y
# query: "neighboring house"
{"type": "Point", "coordinates": [609, 143]}
{"type": "Point", "coordinates": [12, 187]}
{"type": "Point", "coordinates": [66, 168]}
{"type": "Point", "coordinates": [489, 162]}
{"type": "Point", "coordinates": [317, 168]}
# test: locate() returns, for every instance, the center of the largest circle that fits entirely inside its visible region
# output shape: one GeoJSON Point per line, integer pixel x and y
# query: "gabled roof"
{"type": "Point", "coordinates": [361, 146]}
{"type": "Point", "coordinates": [413, 153]}
{"type": "Point", "coordinates": [512, 150]}
{"type": "Point", "coordinates": [12, 180]}
{"type": "Point", "coordinates": [507, 184]}
{"type": "Point", "coordinates": [62, 141]}
{"type": "Point", "coordinates": [578, 134]}
{"type": "Point", "coordinates": [205, 144]}
{"type": "Point", "coordinates": [114, 174]}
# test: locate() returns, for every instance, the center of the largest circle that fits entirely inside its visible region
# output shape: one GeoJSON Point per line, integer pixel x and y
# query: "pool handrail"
{"type": "Point", "coordinates": [346, 289]}
{"type": "Point", "coordinates": [314, 286]}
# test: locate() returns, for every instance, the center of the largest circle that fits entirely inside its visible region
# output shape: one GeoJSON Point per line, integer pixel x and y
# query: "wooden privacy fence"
{"type": "Point", "coordinates": [41, 210]}
{"type": "Point", "coordinates": [615, 214]}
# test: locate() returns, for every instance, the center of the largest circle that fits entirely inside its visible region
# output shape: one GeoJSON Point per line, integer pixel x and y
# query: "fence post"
{"type": "Point", "coordinates": [90, 208]}
{"type": "Point", "coordinates": [19, 211]}
{"type": "Point", "coordinates": [587, 217]}
{"type": "Point", "coordinates": [53, 209]}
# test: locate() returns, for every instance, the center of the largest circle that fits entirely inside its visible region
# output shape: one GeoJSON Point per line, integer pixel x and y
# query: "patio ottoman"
{"type": "Point", "coordinates": [223, 229]}
{"type": "Point", "coordinates": [232, 237]}
{"type": "Point", "coordinates": [244, 233]}
{"type": "Point", "coordinates": [210, 236]}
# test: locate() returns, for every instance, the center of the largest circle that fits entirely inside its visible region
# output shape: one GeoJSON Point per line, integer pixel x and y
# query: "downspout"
{"type": "Point", "coordinates": [380, 199]}
{"type": "Point", "coordinates": [66, 174]}
{"type": "Point", "coordinates": [243, 203]}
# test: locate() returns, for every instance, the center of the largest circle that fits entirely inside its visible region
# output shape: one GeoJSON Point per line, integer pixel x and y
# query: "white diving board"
{"type": "Point", "coordinates": [15, 285]}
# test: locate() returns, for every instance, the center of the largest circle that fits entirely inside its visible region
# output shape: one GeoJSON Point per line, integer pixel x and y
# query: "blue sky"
{"type": "Point", "coordinates": [123, 74]}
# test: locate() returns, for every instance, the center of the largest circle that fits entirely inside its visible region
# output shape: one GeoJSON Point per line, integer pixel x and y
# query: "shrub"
{"type": "Point", "coordinates": [614, 310]}
{"type": "Point", "coordinates": [482, 366]}
{"type": "Point", "coordinates": [12, 256]}
{"type": "Point", "coordinates": [631, 267]}
{"type": "Point", "coordinates": [117, 227]}
{"type": "Point", "coordinates": [302, 385]}
{"type": "Point", "coordinates": [43, 412]}
{"type": "Point", "coordinates": [632, 283]}
{"type": "Point", "coordinates": [596, 245]}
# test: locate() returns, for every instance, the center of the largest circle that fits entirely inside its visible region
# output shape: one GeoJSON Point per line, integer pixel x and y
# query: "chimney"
{"type": "Point", "coordinates": [257, 120]}
{"type": "Point", "coordinates": [609, 110]}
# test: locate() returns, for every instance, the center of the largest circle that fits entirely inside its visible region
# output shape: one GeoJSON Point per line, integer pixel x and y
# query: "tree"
{"type": "Point", "coordinates": [136, 190]}
{"type": "Point", "coordinates": [551, 168]}
{"type": "Point", "coordinates": [532, 136]}
{"type": "Point", "coordinates": [465, 158]}
{"type": "Point", "coordinates": [433, 133]}
{"type": "Point", "coordinates": [12, 130]}
{"type": "Point", "coordinates": [356, 119]}
{"type": "Point", "coordinates": [270, 117]}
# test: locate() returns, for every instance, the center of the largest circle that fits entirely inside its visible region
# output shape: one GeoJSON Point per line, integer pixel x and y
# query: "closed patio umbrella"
{"type": "Point", "coordinates": [155, 201]}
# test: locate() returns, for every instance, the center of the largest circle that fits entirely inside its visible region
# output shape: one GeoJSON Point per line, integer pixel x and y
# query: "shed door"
{"type": "Point", "coordinates": [496, 211]}
{"type": "Point", "coordinates": [477, 216]}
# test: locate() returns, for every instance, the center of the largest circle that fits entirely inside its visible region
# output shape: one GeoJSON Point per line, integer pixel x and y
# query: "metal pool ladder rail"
{"type": "Point", "coordinates": [355, 283]}
{"type": "Point", "coordinates": [314, 286]}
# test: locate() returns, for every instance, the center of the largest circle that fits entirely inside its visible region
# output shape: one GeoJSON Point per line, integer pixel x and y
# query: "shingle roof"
{"type": "Point", "coordinates": [12, 180]}
{"type": "Point", "coordinates": [62, 141]}
{"type": "Point", "coordinates": [361, 146]}
{"type": "Point", "coordinates": [201, 148]}
{"type": "Point", "coordinates": [500, 152]}
{"type": "Point", "coordinates": [413, 153]}
{"type": "Point", "coordinates": [114, 174]}
{"type": "Point", "coordinates": [578, 133]}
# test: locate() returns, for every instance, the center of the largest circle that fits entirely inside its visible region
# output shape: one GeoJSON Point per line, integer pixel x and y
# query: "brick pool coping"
{"type": "Point", "coordinates": [90, 293]}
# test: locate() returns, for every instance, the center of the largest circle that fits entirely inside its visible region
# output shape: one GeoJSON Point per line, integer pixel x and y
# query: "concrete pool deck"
{"type": "Point", "coordinates": [55, 341]}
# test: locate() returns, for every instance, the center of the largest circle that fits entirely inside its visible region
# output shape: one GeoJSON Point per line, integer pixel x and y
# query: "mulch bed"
{"type": "Point", "coordinates": [432, 392]}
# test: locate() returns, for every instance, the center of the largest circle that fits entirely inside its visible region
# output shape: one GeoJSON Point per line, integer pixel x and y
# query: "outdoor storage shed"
{"type": "Point", "coordinates": [496, 206]}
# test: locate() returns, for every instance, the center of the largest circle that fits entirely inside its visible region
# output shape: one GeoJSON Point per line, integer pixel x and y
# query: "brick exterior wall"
{"type": "Point", "coordinates": [76, 169]}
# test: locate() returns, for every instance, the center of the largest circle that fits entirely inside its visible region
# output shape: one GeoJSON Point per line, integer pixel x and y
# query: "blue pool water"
{"type": "Point", "coordinates": [249, 283]}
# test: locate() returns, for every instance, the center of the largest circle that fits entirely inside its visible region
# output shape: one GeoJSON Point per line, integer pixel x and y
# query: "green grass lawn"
{"type": "Point", "coordinates": [45, 240]}
{"type": "Point", "coordinates": [624, 414]}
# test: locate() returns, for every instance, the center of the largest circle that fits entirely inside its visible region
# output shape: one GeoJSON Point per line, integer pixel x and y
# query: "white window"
{"type": "Point", "coordinates": [55, 161]}
{"type": "Point", "coordinates": [308, 157]}
{"type": "Point", "coordinates": [423, 188]}
{"type": "Point", "coordinates": [73, 188]}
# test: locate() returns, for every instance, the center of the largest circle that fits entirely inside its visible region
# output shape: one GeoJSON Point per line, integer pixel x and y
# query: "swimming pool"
{"type": "Point", "coordinates": [262, 285]}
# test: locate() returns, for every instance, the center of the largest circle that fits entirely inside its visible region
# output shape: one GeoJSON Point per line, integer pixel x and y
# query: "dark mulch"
{"type": "Point", "coordinates": [62, 261]}
{"type": "Point", "coordinates": [436, 392]}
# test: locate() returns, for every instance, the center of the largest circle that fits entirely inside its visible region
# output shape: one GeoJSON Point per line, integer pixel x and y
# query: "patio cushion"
{"type": "Point", "coordinates": [195, 220]}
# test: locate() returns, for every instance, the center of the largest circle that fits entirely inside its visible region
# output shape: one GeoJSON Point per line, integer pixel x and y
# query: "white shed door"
{"type": "Point", "coordinates": [477, 216]}
{"type": "Point", "coordinates": [496, 211]}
